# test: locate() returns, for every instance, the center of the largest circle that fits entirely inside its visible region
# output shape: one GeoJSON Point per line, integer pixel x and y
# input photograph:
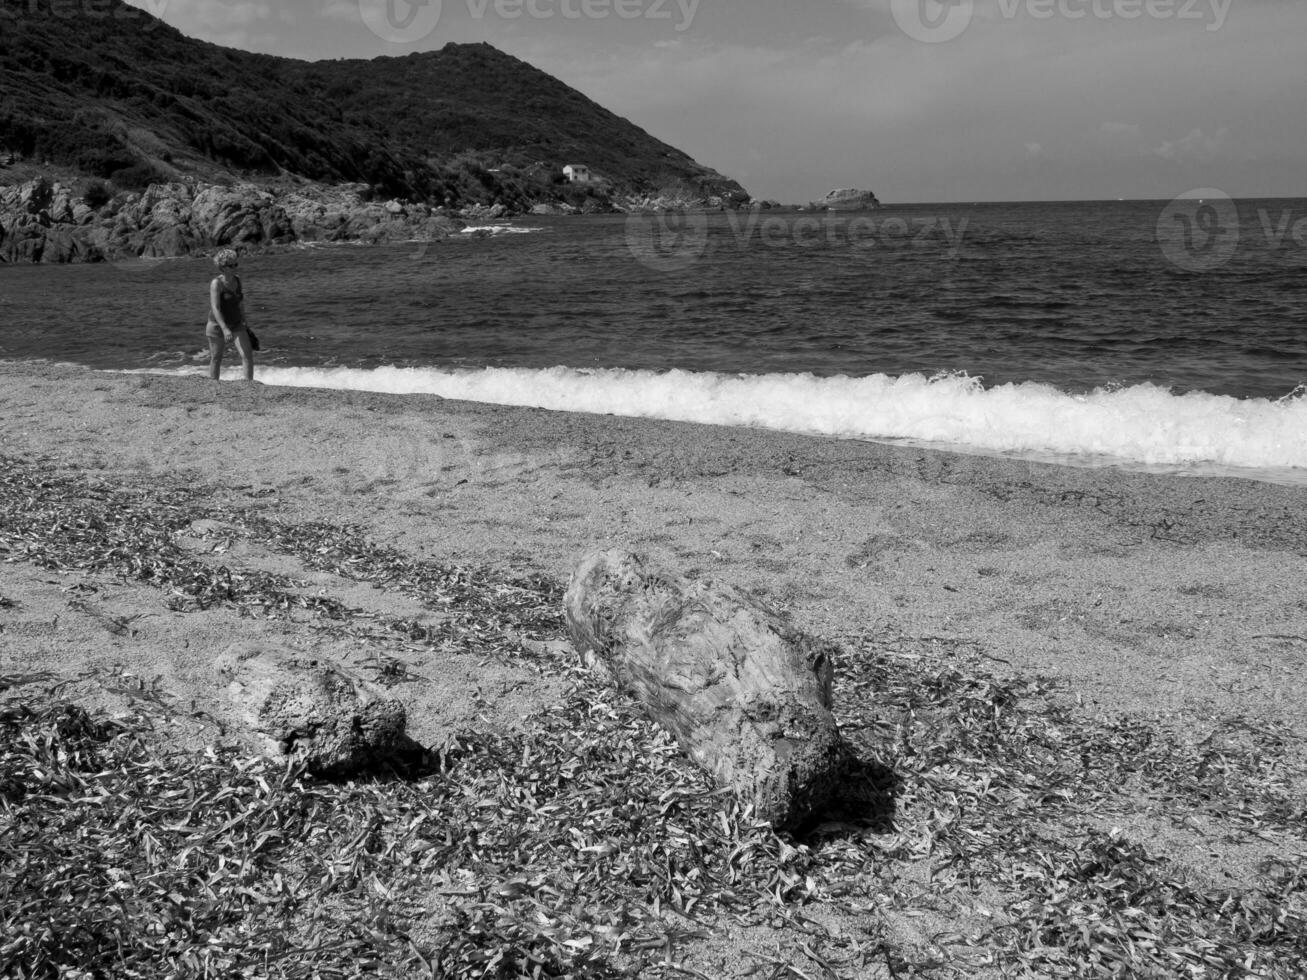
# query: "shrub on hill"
{"type": "Point", "coordinates": [95, 194]}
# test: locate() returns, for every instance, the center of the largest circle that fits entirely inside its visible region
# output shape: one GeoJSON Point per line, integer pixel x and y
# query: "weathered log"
{"type": "Point", "coordinates": [333, 722]}
{"type": "Point", "coordinates": [746, 696]}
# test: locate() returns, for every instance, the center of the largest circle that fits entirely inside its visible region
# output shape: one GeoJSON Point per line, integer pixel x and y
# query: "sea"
{"type": "Point", "coordinates": [1167, 336]}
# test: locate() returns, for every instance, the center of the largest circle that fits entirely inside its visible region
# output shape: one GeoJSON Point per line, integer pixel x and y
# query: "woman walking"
{"type": "Point", "coordinates": [227, 316]}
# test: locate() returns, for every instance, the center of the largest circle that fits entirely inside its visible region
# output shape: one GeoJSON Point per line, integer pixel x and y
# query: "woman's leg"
{"type": "Point", "coordinates": [216, 344]}
{"type": "Point", "coordinates": [246, 352]}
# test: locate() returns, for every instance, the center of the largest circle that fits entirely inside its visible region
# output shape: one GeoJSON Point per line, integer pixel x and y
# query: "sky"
{"type": "Point", "coordinates": [915, 100]}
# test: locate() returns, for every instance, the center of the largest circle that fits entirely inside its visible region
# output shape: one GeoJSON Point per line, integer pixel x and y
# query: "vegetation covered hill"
{"type": "Point", "coordinates": [111, 92]}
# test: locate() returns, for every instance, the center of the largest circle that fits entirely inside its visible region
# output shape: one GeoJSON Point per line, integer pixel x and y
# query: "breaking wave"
{"type": "Point", "coordinates": [1143, 425]}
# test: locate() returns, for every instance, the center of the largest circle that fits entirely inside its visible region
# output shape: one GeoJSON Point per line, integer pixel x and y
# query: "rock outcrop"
{"type": "Point", "coordinates": [848, 199]}
{"type": "Point", "coordinates": [41, 221]}
{"type": "Point", "coordinates": [677, 202]}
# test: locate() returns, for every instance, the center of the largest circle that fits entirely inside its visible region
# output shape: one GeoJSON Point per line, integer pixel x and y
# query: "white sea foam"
{"type": "Point", "coordinates": [1143, 426]}
{"type": "Point", "coordinates": [498, 230]}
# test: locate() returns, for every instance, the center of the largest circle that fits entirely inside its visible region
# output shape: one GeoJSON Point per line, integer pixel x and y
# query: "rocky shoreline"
{"type": "Point", "coordinates": [46, 221]}
{"type": "Point", "coordinates": [43, 220]}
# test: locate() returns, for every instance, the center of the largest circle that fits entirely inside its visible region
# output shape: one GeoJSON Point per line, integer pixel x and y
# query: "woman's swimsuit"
{"type": "Point", "coordinates": [229, 305]}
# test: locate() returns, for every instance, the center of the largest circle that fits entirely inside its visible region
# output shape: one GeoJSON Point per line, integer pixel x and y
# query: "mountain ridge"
{"type": "Point", "coordinates": [110, 92]}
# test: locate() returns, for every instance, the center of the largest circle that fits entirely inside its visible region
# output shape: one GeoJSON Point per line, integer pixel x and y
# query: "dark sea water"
{"type": "Point", "coordinates": [1157, 334]}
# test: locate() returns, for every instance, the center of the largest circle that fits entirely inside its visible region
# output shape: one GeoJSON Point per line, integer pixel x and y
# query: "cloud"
{"type": "Point", "coordinates": [1196, 147]}
{"type": "Point", "coordinates": [245, 24]}
{"type": "Point", "coordinates": [346, 10]}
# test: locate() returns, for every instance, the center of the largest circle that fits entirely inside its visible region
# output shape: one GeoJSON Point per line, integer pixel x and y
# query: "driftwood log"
{"type": "Point", "coordinates": [335, 723]}
{"type": "Point", "coordinates": [747, 697]}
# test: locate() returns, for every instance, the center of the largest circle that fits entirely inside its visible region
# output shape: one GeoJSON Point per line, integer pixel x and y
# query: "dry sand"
{"type": "Point", "coordinates": [1178, 600]}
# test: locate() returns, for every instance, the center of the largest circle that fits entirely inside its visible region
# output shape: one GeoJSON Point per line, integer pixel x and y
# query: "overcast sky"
{"type": "Point", "coordinates": [968, 100]}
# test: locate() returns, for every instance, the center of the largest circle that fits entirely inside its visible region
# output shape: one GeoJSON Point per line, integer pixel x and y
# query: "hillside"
{"type": "Point", "coordinates": [108, 91]}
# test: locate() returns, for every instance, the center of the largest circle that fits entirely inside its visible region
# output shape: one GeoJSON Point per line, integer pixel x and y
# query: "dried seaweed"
{"type": "Point", "coordinates": [68, 523]}
{"type": "Point", "coordinates": [481, 603]}
{"type": "Point", "coordinates": [1006, 787]}
{"type": "Point", "coordinates": [550, 853]}
{"type": "Point", "coordinates": [586, 845]}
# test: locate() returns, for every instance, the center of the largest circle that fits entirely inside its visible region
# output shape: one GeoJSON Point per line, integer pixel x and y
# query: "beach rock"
{"type": "Point", "coordinates": [333, 722]}
{"type": "Point", "coordinates": [167, 242]}
{"type": "Point", "coordinates": [229, 217]}
{"type": "Point", "coordinates": [435, 227]}
{"type": "Point", "coordinates": [484, 212]}
{"type": "Point", "coordinates": [35, 195]}
{"type": "Point", "coordinates": [67, 243]}
{"type": "Point", "coordinates": [45, 221]}
{"type": "Point", "coordinates": [22, 237]}
{"type": "Point", "coordinates": [747, 697]}
{"type": "Point", "coordinates": [61, 205]}
{"type": "Point", "coordinates": [164, 206]}
{"type": "Point", "coordinates": [659, 203]}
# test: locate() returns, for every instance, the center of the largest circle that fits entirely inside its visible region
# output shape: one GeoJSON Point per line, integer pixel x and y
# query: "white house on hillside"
{"type": "Point", "coordinates": [577, 173]}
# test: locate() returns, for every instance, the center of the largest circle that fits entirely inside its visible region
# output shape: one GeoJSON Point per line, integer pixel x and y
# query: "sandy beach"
{"type": "Point", "coordinates": [1171, 604]}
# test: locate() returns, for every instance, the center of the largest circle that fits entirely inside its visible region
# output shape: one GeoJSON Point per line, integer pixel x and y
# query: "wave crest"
{"type": "Point", "coordinates": [1143, 425]}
